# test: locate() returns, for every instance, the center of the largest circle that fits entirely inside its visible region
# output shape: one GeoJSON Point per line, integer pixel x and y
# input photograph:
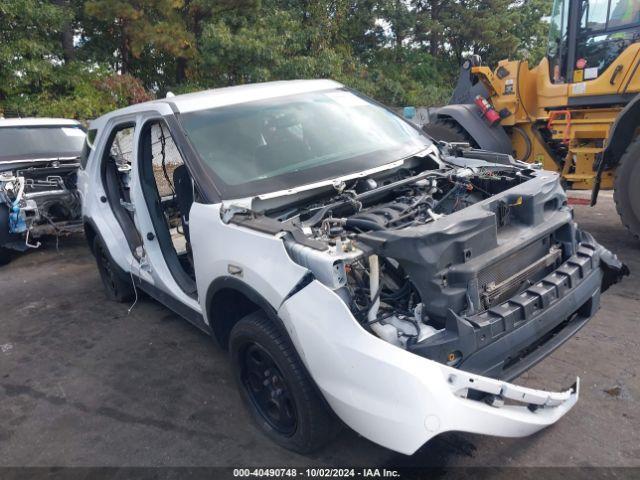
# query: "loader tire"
{"type": "Point", "coordinates": [626, 193]}
{"type": "Point", "coordinates": [448, 131]}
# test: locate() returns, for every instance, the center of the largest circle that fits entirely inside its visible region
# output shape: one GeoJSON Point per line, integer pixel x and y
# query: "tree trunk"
{"type": "Point", "coordinates": [125, 50]}
{"type": "Point", "coordinates": [66, 39]}
{"type": "Point", "coordinates": [181, 70]}
{"type": "Point", "coordinates": [434, 37]}
{"type": "Point", "coordinates": [68, 50]}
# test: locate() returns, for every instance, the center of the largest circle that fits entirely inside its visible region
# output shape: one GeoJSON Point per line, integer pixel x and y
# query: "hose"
{"type": "Point", "coordinates": [527, 142]}
{"type": "Point", "coordinates": [362, 224]}
{"type": "Point", "coordinates": [385, 331]}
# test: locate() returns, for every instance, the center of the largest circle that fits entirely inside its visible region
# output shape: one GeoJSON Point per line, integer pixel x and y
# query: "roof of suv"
{"type": "Point", "coordinates": [220, 97]}
{"type": "Point", "coordinates": [38, 122]}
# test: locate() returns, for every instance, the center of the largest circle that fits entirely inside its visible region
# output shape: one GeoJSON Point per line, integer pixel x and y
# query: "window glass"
{"type": "Point", "coordinates": [40, 142]}
{"type": "Point", "coordinates": [600, 51]}
{"type": "Point", "coordinates": [557, 47]}
{"type": "Point", "coordinates": [624, 12]}
{"type": "Point", "coordinates": [594, 15]}
{"type": "Point", "coordinates": [279, 143]}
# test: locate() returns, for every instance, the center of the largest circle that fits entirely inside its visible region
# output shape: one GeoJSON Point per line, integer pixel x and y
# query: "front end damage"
{"type": "Point", "coordinates": [401, 400]}
{"type": "Point", "coordinates": [37, 198]}
{"type": "Point", "coordinates": [430, 286]}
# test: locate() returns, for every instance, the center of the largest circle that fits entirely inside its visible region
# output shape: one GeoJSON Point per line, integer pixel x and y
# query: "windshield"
{"type": "Point", "coordinates": [557, 47]}
{"type": "Point", "coordinates": [40, 142]}
{"type": "Point", "coordinates": [605, 28]}
{"type": "Point", "coordinates": [280, 143]}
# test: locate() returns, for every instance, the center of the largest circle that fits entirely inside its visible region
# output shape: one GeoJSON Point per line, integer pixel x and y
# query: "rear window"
{"type": "Point", "coordinates": [40, 142]}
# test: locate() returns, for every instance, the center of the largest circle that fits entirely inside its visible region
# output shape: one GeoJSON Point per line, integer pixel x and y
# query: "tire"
{"type": "Point", "coordinates": [276, 388]}
{"type": "Point", "coordinates": [5, 256]}
{"type": "Point", "coordinates": [626, 193]}
{"type": "Point", "coordinates": [448, 131]}
{"type": "Point", "coordinates": [117, 287]}
{"type": "Point", "coordinates": [5, 236]}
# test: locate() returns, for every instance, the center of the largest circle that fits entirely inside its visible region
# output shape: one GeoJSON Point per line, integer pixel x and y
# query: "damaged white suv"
{"type": "Point", "coordinates": [351, 265]}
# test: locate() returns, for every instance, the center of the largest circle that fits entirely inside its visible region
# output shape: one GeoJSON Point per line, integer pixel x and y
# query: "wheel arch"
{"type": "Point", "coordinates": [229, 299]}
{"type": "Point", "coordinates": [468, 117]}
{"type": "Point", "coordinates": [622, 132]}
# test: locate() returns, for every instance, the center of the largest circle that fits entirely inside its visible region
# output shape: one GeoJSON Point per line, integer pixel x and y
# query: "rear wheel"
{"type": "Point", "coordinates": [5, 256]}
{"type": "Point", "coordinates": [276, 387]}
{"type": "Point", "coordinates": [626, 192]}
{"type": "Point", "coordinates": [116, 285]}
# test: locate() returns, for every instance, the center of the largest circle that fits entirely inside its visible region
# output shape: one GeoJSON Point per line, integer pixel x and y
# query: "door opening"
{"type": "Point", "coordinates": [169, 193]}
{"type": "Point", "coordinates": [116, 177]}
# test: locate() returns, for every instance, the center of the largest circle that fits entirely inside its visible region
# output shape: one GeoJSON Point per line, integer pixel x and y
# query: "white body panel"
{"type": "Point", "coordinates": [266, 266]}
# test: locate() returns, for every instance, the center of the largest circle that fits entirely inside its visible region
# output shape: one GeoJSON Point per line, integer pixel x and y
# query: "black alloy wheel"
{"type": "Point", "coordinates": [268, 390]}
{"type": "Point", "coordinates": [276, 387]}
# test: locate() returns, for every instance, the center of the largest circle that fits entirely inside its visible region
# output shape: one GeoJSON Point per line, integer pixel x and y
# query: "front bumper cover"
{"type": "Point", "coordinates": [398, 399]}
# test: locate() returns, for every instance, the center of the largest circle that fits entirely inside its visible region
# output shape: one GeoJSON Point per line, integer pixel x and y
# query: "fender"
{"type": "Point", "coordinates": [218, 326]}
{"type": "Point", "coordinates": [620, 137]}
{"type": "Point", "coordinates": [622, 132]}
{"type": "Point", "coordinates": [494, 139]}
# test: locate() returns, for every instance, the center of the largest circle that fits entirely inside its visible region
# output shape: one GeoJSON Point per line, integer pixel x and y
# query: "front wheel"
{"type": "Point", "coordinates": [276, 387]}
{"type": "Point", "coordinates": [626, 193]}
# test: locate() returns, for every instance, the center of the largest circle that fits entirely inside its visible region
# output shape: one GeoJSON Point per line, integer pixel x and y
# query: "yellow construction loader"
{"type": "Point", "coordinates": [576, 112]}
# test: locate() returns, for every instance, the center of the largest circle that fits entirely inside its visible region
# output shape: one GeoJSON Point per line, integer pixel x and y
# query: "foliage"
{"type": "Point", "coordinates": [80, 92]}
{"type": "Point", "coordinates": [80, 58]}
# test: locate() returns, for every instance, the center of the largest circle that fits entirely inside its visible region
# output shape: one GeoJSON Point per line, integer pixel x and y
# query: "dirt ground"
{"type": "Point", "coordinates": [85, 383]}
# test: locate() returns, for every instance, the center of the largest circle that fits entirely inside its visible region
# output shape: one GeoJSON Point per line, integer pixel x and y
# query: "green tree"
{"type": "Point", "coordinates": [148, 35]}
{"type": "Point", "coordinates": [65, 55]}
{"type": "Point", "coordinates": [30, 47]}
{"type": "Point", "coordinates": [532, 30]}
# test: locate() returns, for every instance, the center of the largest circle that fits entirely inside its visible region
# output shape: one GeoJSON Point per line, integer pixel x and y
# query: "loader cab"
{"type": "Point", "coordinates": [586, 36]}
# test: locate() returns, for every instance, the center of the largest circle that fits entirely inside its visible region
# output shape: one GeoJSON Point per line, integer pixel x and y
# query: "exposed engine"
{"type": "Point", "coordinates": [40, 200]}
{"type": "Point", "coordinates": [346, 238]}
{"type": "Point", "coordinates": [458, 256]}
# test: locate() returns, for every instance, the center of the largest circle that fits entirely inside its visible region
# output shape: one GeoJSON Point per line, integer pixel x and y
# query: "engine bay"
{"type": "Point", "coordinates": [40, 199]}
{"type": "Point", "coordinates": [462, 256]}
{"type": "Point", "coordinates": [399, 246]}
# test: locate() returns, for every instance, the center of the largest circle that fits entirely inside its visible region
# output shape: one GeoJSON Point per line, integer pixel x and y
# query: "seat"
{"type": "Point", "coordinates": [184, 196]}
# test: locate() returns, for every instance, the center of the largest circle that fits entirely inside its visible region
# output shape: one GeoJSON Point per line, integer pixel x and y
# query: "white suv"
{"type": "Point", "coordinates": [351, 266]}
